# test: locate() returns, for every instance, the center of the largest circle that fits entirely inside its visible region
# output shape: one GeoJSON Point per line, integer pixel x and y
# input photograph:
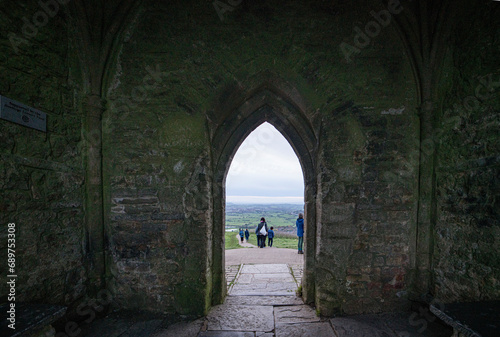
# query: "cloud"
{"type": "Point", "coordinates": [265, 165]}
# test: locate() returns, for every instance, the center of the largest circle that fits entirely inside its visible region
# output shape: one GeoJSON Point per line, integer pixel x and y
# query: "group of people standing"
{"type": "Point", "coordinates": [262, 231]}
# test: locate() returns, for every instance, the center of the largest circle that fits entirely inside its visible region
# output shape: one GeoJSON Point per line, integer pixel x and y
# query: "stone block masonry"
{"type": "Point", "coordinates": [41, 174]}
{"type": "Point", "coordinates": [125, 190]}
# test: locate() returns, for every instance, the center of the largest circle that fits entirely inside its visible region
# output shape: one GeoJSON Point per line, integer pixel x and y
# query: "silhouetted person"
{"type": "Point", "coordinates": [300, 231]}
{"type": "Point", "coordinates": [247, 234]}
{"type": "Point", "coordinates": [261, 234]}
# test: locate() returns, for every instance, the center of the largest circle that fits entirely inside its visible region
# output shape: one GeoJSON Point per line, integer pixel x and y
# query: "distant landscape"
{"type": "Point", "coordinates": [281, 216]}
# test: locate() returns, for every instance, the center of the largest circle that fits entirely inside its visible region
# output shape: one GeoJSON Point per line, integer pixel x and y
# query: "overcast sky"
{"type": "Point", "coordinates": [265, 166]}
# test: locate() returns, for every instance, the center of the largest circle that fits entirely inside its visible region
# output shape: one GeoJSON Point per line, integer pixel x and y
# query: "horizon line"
{"type": "Point", "coordinates": [248, 199]}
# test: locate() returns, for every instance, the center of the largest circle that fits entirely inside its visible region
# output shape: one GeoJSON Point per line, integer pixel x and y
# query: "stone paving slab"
{"type": "Point", "coordinates": [181, 329]}
{"type": "Point", "coordinates": [265, 278]}
{"type": "Point", "coordinates": [225, 334]}
{"type": "Point", "coordinates": [298, 271]}
{"type": "Point", "coordinates": [241, 318]}
{"type": "Point", "coordinates": [347, 327]}
{"type": "Point", "coordinates": [109, 327]}
{"type": "Point", "coordinates": [295, 314]}
{"type": "Point", "coordinates": [264, 289]}
{"type": "Point", "coordinates": [231, 273]}
{"type": "Point", "coordinates": [317, 329]}
{"type": "Point", "coordinates": [402, 324]}
{"type": "Point", "coordinates": [126, 324]}
{"type": "Point", "coordinates": [268, 255]}
{"type": "Point", "coordinates": [264, 300]}
{"type": "Point", "coordinates": [245, 278]}
{"type": "Point", "coordinates": [145, 328]}
{"type": "Point", "coordinates": [264, 315]}
{"type": "Point", "coordinates": [264, 269]}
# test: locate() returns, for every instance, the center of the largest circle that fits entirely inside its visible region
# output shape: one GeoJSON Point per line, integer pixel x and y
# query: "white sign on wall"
{"type": "Point", "coordinates": [20, 113]}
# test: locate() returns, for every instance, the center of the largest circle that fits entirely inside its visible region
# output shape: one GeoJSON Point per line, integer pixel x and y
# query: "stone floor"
{"type": "Point", "coordinates": [267, 255]}
{"type": "Point", "coordinates": [262, 302]}
{"type": "Point", "coordinates": [297, 270]}
{"type": "Point", "coordinates": [231, 272]}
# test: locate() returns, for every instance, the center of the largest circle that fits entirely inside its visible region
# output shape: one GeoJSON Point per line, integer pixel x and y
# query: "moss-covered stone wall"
{"type": "Point", "coordinates": [158, 154]}
{"type": "Point", "coordinates": [41, 174]}
{"type": "Point", "coordinates": [467, 236]}
{"type": "Point", "coordinates": [185, 82]}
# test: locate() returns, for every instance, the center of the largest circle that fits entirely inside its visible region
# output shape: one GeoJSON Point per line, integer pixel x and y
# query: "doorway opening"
{"type": "Point", "coordinates": [266, 104]}
{"type": "Point", "coordinates": [265, 180]}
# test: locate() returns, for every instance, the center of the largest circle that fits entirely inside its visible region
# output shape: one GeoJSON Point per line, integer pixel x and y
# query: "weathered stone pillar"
{"type": "Point", "coordinates": [94, 107]}
{"type": "Point", "coordinates": [426, 200]}
{"type": "Point", "coordinates": [309, 280]}
{"type": "Point", "coordinates": [218, 256]}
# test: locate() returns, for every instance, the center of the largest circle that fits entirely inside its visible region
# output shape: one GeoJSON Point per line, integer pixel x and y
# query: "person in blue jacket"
{"type": "Point", "coordinates": [241, 234]}
{"type": "Point", "coordinates": [247, 234]}
{"type": "Point", "coordinates": [300, 231]}
{"type": "Point", "coordinates": [270, 236]}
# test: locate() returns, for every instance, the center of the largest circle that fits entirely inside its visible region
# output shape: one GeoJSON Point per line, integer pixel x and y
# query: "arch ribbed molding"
{"type": "Point", "coordinates": [270, 104]}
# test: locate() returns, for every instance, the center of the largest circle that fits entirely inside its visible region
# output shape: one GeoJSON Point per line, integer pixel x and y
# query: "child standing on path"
{"type": "Point", "coordinates": [270, 236]}
{"type": "Point", "coordinates": [241, 234]}
{"type": "Point", "coordinates": [300, 231]}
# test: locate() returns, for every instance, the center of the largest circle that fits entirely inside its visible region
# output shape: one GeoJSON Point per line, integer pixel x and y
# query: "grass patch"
{"type": "Point", "coordinates": [299, 291]}
{"type": "Point", "coordinates": [280, 241]}
{"type": "Point", "coordinates": [285, 241]}
{"type": "Point", "coordinates": [232, 241]}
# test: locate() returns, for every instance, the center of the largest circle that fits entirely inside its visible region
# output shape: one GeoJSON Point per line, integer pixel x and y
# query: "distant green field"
{"type": "Point", "coordinates": [281, 216]}
{"type": "Point", "coordinates": [248, 216]}
{"type": "Point", "coordinates": [280, 241]}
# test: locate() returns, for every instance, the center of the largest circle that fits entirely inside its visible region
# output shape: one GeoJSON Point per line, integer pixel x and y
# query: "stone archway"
{"type": "Point", "coordinates": [272, 105]}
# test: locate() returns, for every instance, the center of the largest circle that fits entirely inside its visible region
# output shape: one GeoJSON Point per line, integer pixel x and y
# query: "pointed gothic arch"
{"type": "Point", "coordinates": [266, 104]}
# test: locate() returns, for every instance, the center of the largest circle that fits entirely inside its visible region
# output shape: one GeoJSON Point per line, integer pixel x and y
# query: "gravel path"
{"type": "Point", "coordinates": [244, 243]}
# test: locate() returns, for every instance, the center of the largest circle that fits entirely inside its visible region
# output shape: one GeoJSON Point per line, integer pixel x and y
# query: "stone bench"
{"type": "Point", "coordinates": [31, 320]}
{"type": "Point", "coordinates": [475, 319]}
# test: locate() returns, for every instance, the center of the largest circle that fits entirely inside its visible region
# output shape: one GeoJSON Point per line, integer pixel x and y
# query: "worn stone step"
{"type": "Point", "coordinates": [263, 300]}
